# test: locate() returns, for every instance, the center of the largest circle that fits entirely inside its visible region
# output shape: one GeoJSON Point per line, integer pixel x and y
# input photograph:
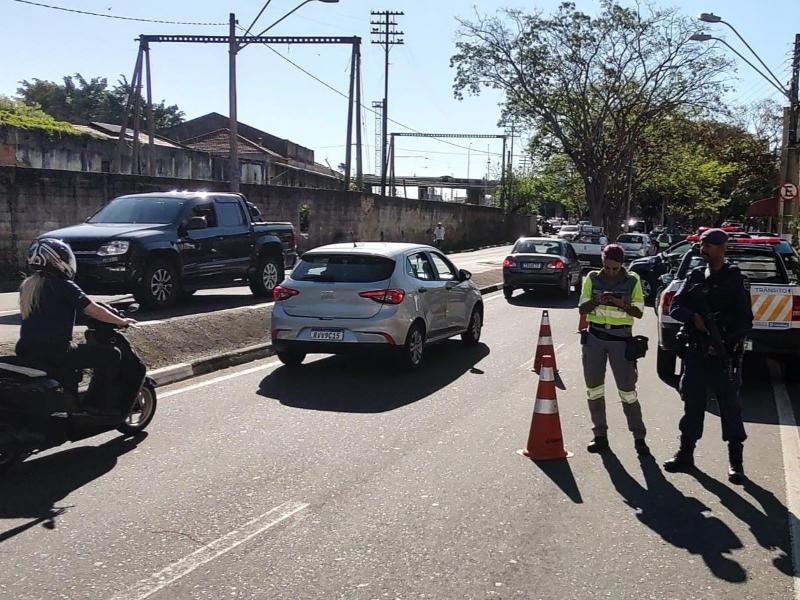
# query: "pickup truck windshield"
{"type": "Point", "coordinates": [151, 210]}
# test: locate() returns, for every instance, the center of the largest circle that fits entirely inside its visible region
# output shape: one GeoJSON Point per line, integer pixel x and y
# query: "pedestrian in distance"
{"type": "Point", "coordinates": [714, 305]}
{"type": "Point", "coordinates": [611, 299]}
{"type": "Point", "coordinates": [438, 235]}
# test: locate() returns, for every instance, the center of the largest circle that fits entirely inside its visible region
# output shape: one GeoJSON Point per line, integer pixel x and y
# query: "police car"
{"type": "Point", "coordinates": [775, 299]}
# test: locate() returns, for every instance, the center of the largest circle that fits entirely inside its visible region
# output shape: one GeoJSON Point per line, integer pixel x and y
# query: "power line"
{"type": "Point", "coordinates": [93, 14]}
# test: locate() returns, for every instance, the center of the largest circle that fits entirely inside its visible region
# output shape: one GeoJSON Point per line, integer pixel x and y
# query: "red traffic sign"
{"type": "Point", "coordinates": [788, 191]}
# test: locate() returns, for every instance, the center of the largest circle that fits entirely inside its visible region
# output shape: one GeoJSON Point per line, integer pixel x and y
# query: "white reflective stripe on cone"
{"type": "Point", "coordinates": [546, 340]}
{"type": "Point", "coordinates": [543, 406]}
{"type": "Point", "coordinates": [546, 374]}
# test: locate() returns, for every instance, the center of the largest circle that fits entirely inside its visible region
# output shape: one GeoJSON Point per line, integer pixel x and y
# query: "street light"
{"type": "Point", "coordinates": [704, 37]}
{"type": "Point", "coordinates": [712, 18]}
{"type": "Point", "coordinates": [234, 48]}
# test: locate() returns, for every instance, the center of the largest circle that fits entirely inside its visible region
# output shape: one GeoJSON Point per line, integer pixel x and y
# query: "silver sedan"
{"type": "Point", "coordinates": [370, 295]}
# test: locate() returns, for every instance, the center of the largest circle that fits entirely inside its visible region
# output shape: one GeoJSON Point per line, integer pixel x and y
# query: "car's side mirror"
{"type": "Point", "coordinates": [464, 275]}
{"type": "Point", "coordinates": [197, 223]}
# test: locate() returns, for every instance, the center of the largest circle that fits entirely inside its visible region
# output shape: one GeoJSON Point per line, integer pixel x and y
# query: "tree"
{"type": "Point", "coordinates": [78, 100]}
{"type": "Point", "coordinates": [590, 86]}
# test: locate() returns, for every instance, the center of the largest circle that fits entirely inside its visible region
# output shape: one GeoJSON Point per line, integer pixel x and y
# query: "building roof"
{"type": "Point", "coordinates": [112, 131]}
{"type": "Point", "coordinates": [218, 142]}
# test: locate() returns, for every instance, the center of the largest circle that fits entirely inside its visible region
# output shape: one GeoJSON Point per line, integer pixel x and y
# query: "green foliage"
{"type": "Point", "coordinates": [78, 100]}
{"type": "Point", "coordinates": [18, 114]}
{"type": "Point", "coordinates": [590, 86]}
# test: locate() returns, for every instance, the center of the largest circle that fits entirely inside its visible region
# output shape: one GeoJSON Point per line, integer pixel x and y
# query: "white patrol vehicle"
{"type": "Point", "coordinates": [775, 300]}
{"type": "Point", "coordinates": [589, 244]}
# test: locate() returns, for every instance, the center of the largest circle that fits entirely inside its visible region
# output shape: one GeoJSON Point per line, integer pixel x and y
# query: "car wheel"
{"type": "Point", "coordinates": [160, 285]}
{"type": "Point", "coordinates": [508, 291]}
{"type": "Point", "coordinates": [141, 413]}
{"type": "Point", "coordinates": [578, 283]}
{"type": "Point", "coordinates": [292, 359]}
{"type": "Point", "coordinates": [665, 363]}
{"type": "Point", "coordinates": [473, 333]}
{"type": "Point", "coordinates": [412, 352]}
{"type": "Point", "coordinates": [647, 289]}
{"type": "Point", "coordinates": [267, 276]}
{"type": "Point", "coordinates": [564, 289]}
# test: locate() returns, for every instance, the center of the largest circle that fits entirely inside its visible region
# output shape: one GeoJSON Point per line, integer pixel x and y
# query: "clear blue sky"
{"type": "Point", "coordinates": [276, 97]}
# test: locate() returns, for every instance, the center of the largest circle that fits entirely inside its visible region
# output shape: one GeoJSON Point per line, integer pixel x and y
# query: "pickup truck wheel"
{"type": "Point", "coordinates": [647, 289]}
{"type": "Point", "coordinates": [160, 286]}
{"type": "Point", "coordinates": [665, 364]}
{"type": "Point", "coordinates": [267, 276]}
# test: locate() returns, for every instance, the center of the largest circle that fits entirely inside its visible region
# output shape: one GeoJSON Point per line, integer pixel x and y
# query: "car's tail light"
{"type": "Point", "coordinates": [385, 296]}
{"type": "Point", "coordinates": [666, 302]}
{"type": "Point", "coordinates": [509, 263]}
{"type": "Point", "coordinates": [795, 308]}
{"type": "Point", "coordinates": [556, 264]}
{"type": "Point", "coordinates": [283, 293]}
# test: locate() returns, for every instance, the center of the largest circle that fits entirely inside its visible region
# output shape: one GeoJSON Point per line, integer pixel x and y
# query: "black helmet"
{"type": "Point", "coordinates": [49, 255]}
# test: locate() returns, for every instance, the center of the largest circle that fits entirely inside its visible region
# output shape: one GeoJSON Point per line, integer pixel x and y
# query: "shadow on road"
{"type": "Point", "coordinates": [678, 519]}
{"type": "Point", "coordinates": [32, 490]}
{"type": "Point", "coordinates": [370, 384]}
{"type": "Point", "coordinates": [544, 299]}
{"type": "Point", "coordinates": [561, 474]}
{"type": "Point", "coordinates": [768, 527]}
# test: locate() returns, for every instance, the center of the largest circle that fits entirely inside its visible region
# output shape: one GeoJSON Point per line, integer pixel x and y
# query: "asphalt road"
{"type": "Point", "coordinates": [204, 301]}
{"type": "Point", "coordinates": [349, 479]}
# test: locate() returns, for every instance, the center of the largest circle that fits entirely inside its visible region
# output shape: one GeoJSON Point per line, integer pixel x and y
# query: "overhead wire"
{"type": "Point", "coordinates": [137, 19]}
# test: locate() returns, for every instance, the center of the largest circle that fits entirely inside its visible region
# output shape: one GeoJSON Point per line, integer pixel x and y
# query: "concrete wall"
{"type": "Point", "coordinates": [33, 201]}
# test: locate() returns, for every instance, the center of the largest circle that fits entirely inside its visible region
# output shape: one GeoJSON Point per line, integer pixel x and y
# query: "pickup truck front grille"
{"type": "Point", "coordinates": [84, 247]}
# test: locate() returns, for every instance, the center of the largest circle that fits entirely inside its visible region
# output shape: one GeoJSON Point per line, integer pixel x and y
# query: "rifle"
{"type": "Point", "coordinates": [699, 300]}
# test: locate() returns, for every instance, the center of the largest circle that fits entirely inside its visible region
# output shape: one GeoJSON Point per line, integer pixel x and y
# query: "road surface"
{"type": "Point", "coordinates": [349, 479]}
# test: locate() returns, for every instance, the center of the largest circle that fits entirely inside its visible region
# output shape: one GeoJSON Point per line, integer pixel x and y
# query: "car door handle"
{"type": "Point", "coordinates": [422, 290]}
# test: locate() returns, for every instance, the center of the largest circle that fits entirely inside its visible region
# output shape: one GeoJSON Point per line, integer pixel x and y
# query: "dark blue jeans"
{"type": "Point", "coordinates": [705, 376]}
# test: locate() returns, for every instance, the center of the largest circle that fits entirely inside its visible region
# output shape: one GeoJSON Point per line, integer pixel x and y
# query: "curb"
{"type": "Point", "coordinates": [202, 366]}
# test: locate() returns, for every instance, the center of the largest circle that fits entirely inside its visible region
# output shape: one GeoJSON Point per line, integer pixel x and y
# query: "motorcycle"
{"type": "Point", "coordinates": [41, 406]}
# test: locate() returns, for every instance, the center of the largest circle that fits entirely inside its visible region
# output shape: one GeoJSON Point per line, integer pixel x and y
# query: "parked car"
{"type": "Point", "coordinates": [636, 245]}
{"type": "Point", "coordinates": [651, 268]}
{"type": "Point", "coordinates": [775, 300]}
{"type": "Point", "coordinates": [541, 262]}
{"type": "Point", "coordinates": [160, 245]}
{"type": "Point", "coordinates": [374, 296]}
{"type": "Point", "coordinates": [589, 247]}
{"type": "Point", "coordinates": [568, 232]}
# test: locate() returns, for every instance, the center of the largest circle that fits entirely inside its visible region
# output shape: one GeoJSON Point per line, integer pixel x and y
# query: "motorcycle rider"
{"type": "Point", "coordinates": [49, 302]}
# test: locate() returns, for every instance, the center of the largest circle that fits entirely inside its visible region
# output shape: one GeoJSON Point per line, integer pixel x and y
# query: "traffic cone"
{"type": "Point", "coordinates": [545, 441]}
{"type": "Point", "coordinates": [544, 347]}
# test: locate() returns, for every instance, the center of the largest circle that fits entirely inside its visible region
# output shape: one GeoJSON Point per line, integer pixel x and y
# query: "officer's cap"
{"type": "Point", "coordinates": [715, 237]}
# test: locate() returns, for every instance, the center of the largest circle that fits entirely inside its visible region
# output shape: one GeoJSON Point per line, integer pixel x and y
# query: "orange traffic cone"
{"type": "Point", "coordinates": [545, 441]}
{"type": "Point", "coordinates": [544, 347]}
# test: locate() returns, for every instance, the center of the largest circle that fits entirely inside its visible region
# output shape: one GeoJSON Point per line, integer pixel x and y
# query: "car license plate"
{"type": "Point", "coordinates": [327, 335]}
{"type": "Point", "coordinates": [748, 345]}
{"type": "Point", "coordinates": [531, 265]}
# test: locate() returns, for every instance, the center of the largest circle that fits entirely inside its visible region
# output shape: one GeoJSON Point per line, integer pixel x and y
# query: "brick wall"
{"type": "Point", "coordinates": [33, 201]}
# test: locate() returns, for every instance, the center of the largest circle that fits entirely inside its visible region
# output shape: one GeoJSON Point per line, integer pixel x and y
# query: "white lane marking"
{"type": "Point", "coordinates": [492, 296]}
{"type": "Point", "coordinates": [184, 566]}
{"type": "Point", "coordinates": [202, 384]}
{"type": "Point", "coordinates": [790, 443]}
{"type": "Point", "coordinates": [530, 360]}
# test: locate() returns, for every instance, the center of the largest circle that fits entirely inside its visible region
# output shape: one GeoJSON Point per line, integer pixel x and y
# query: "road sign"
{"type": "Point", "coordinates": [788, 191]}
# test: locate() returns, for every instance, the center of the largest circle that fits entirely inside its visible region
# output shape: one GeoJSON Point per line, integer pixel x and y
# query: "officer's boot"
{"type": "Point", "coordinates": [683, 460]}
{"type": "Point", "coordinates": [597, 410]}
{"type": "Point", "coordinates": [736, 460]}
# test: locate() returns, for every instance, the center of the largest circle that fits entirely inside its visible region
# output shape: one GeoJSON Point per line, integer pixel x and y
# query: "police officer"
{"type": "Point", "coordinates": [714, 305]}
{"type": "Point", "coordinates": [610, 299]}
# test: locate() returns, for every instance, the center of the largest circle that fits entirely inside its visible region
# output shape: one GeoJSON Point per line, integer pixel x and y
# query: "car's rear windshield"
{"type": "Point", "coordinates": [537, 247]}
{"type": "Point", "coordinates": [343, 268]}
{"type": "Point", "coordinates": [147, 209]}
{"type": "Point", "coordinates": [630, 239]}
{"type": "Point", "coordinates": [758, 268]}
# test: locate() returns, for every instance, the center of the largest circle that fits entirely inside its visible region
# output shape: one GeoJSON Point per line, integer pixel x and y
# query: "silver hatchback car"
{"type": "Point", "coordinates": [370, 295]}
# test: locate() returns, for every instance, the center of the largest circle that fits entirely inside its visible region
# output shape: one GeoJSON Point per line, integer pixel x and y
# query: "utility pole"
{"type": "Point", "coordinates": [790, 157]}
{"type": "Point", "coordinates": [386, 33]}
{"type": "Point", "coordinates": [233, 126]}
{"type": "Point", "coordinates": [377, 108]}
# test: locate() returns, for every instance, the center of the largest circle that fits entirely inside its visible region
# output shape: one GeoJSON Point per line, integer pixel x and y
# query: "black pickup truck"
{"type": "Point", "coordinates": [161, 245]}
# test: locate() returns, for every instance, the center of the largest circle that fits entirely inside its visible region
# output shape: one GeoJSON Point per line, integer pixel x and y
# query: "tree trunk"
{"type": "Point", "coordinates": [595, 197]}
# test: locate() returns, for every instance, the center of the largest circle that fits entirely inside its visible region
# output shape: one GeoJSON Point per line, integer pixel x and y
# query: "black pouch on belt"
{"type": "Point", "coordinates": [636, 347]}
{"type": "Point", "coordinates": [584, 337]}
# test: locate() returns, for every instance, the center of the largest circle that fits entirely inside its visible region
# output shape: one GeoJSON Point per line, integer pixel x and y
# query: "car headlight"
{"type": "Point", "coordinates": [114, 248]}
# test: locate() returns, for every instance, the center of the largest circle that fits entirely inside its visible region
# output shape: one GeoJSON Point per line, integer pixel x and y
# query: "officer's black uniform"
{"type": "Point", "coordinates": [727, 297]}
